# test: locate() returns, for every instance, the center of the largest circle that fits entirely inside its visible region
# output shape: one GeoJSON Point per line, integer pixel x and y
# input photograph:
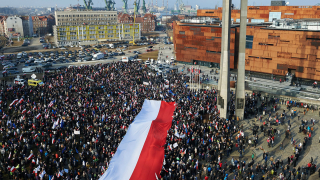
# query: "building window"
{"type": "Point", "coordinates": [92, 37]}
{"type": "Point", "coordinates": [91, 27]}
{"type": "Point", "coordinates": [181, 32]}
{"type": "Point", "coordinates": [249, 41]}
{"type": "Point", "coordinates": [101, 36]}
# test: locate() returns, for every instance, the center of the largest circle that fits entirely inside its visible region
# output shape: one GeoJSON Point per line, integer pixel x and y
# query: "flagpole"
{"type": "Point", "coordinates": [190, 79]}
{"type": "Point", "coordinates": [198, 78]}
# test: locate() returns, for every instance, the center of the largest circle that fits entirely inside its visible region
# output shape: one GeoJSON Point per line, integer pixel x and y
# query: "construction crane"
{"type": "Point", "coordinates": [125, 6]}
{"type": "Point", "coordinates": [181, 5]}
{"type": "Point", "coordinates": [136, 7]}
{"type": "Point", "coordinates": [144, 9]}
{"type": "Point", "coordinates": [88, 4]}
{"type": "Point", "coordinates": [109, 5]}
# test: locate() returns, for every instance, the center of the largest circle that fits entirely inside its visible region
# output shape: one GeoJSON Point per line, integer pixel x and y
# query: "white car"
{"type": "Point", "coordinates": [62, 48]}
{"type": "Point", "coordinates": [38, 61]}
{"type": "Point", "coordinates": [147, 63]}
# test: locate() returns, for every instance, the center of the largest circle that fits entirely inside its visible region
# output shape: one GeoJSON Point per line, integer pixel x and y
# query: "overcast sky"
{"type": "Point", "coordinates": [119, 3]}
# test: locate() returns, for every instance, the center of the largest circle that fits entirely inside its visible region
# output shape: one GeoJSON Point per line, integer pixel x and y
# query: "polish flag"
{"type": "Point", "coordinates": [9, 156]}
{"type": "Point", "coordinates": [21, 100]}
{"type": "Point", "coordinates": [13, 169]}
{"type": "Point", "coordinates": [38, 116]}
{"type": "Point", "coordinates": [53, 141]}
{"type": "Point", "coordinates": [141, 150]}
{"type": "Point", "coordinates": [211, 138]}
{"type": "Point", "coordinates": [175, 127]}
{"type": "Point", "coordinates": [89, 127]}
{"type": "Point", "coordinates": [29, 112]}
{"type": "Point", "coordinates": [35, 136]}
{"type": "Point", "coordinates": [20, 137]}
{"type": "Point", "coordinates": [67, 98]}
{"type": "Point", "coordinates": [51, 104]}
{"type": "Point", "coordinates": [4, 116]}
{"type": "Point", "coordinates": [35, 171]}
{"type": "Point", "coordinates": [190, 113]}
{"type": "Point", "coordinates": [30, 156]}
{"type": "Point", "coordinates": [0, 101]}
{"type": "Point", "coordinates": [170, 147]}
{"type": "Point", "coordinates": [50, 86]}
{"type": "Point", "coordinates": [24, 111]}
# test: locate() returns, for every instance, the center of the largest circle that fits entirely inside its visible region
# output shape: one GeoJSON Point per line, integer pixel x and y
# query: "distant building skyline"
{"type": "Point", "coordinates": [204, 4]}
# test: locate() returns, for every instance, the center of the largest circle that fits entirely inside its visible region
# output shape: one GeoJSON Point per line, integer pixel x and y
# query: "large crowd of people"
{"type": "Point", "coordinates": [70, 127]}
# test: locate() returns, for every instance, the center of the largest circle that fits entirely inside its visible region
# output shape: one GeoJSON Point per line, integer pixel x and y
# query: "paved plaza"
{"type": "Point", "coordinates": [283, 146]}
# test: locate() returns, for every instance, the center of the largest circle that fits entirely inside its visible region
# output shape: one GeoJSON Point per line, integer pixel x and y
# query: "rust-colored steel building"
{"type": "Point", "coordinates": [272, 51]}
{"type": "Point", "coordinates": [278, 51]}
{"type": "Point", "coordinates": [267, 13]}
{"type": "Point", "coordinates": [201, 44]}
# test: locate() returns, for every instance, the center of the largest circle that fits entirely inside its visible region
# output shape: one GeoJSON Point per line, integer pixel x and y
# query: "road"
{"type": "Point", "coordinates": [34, 45]}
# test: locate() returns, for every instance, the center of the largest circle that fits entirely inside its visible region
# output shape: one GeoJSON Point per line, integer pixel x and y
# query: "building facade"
{"type": "Point", "coordinates": [266, 13]}
{"type": "Point", "coordinates": [42, 25]}
{"type": "Point", "coordinates": [13, 26]}
{"type": "Point", "coordinates": [148, 21]}
{"type": "Point", "coordinates": [73, 35]}
{"type": "Point", "coordinates": [278, 50]}
{"type": "Point", "coordinates": [125, 18]}
{"type": "Point", "coordinates": [200, 44]}
{"type": "Point", "coordinates": [27, 25]}
{"type": "Point", "coordinates": [77, 18]}
{"type": "Point", "coordinates": [286, 46]}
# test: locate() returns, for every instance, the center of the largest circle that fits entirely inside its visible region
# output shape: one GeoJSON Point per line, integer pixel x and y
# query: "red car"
{"type": "Point", "coordinates": [148, 50]}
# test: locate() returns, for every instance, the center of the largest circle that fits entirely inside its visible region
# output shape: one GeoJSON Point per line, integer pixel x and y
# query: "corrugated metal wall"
{"type": "Point", "coordinates": [200, 43]}
{"type": "Point", "coordinates": [262, 12]}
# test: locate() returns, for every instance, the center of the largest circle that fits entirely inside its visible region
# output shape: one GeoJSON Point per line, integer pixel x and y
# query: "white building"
{"type": "Point", "coordinates": [197, 7]}
{"type": "Point", "coordinates": [13, 25]}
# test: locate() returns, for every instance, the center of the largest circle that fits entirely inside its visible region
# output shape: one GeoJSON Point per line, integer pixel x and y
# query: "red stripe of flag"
{"type": "Point", "coordinates": [152, 154]}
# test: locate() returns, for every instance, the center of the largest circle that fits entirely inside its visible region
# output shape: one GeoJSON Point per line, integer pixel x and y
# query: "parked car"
{"type": "Point", "coordinates": [47, 65]}
{"type": "Point", "coordinates": [13, 72]}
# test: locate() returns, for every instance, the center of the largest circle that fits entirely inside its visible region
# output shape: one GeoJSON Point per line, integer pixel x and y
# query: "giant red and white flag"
{"type": "Point", "coordinates": [141, 152]}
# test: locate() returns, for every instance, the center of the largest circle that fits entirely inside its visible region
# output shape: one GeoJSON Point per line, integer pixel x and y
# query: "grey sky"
{"type": "Point", "coordinates": [100, 3]}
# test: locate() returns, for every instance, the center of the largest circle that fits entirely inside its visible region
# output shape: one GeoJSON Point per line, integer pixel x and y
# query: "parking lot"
{"type": "Point", "coordinates": [46, 61]}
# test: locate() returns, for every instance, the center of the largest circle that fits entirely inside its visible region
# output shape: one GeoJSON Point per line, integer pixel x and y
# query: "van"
{"type": "Point", "coordinates": [28, 69]}
{"type": "Point", "coordinates": [125, 59]}
{"type": "Point", "coordinates": [34, 82]}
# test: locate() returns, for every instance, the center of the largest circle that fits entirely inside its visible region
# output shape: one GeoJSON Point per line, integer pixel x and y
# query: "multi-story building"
{"type": "Point", "coordinates": [148, 22]}
{"type": "Point", "coordinates": [286, 46]}
{"type": "Point", "coordinates": [77, 18]}
{"type": "Point", "coordinates": [13, 25]}
{"type": "Point", "coordinates": [74, 35]}
{"type": "Point", "coordinates": [42, 25]}
{"type": "Point", "coordinates": [27, 25]}
{"type": "Point", "coordinates": [266, 13]}
{"type": "Point", "coordinates": [198, 43]}
{"type": "Point", "coordinates": [125, 18]}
